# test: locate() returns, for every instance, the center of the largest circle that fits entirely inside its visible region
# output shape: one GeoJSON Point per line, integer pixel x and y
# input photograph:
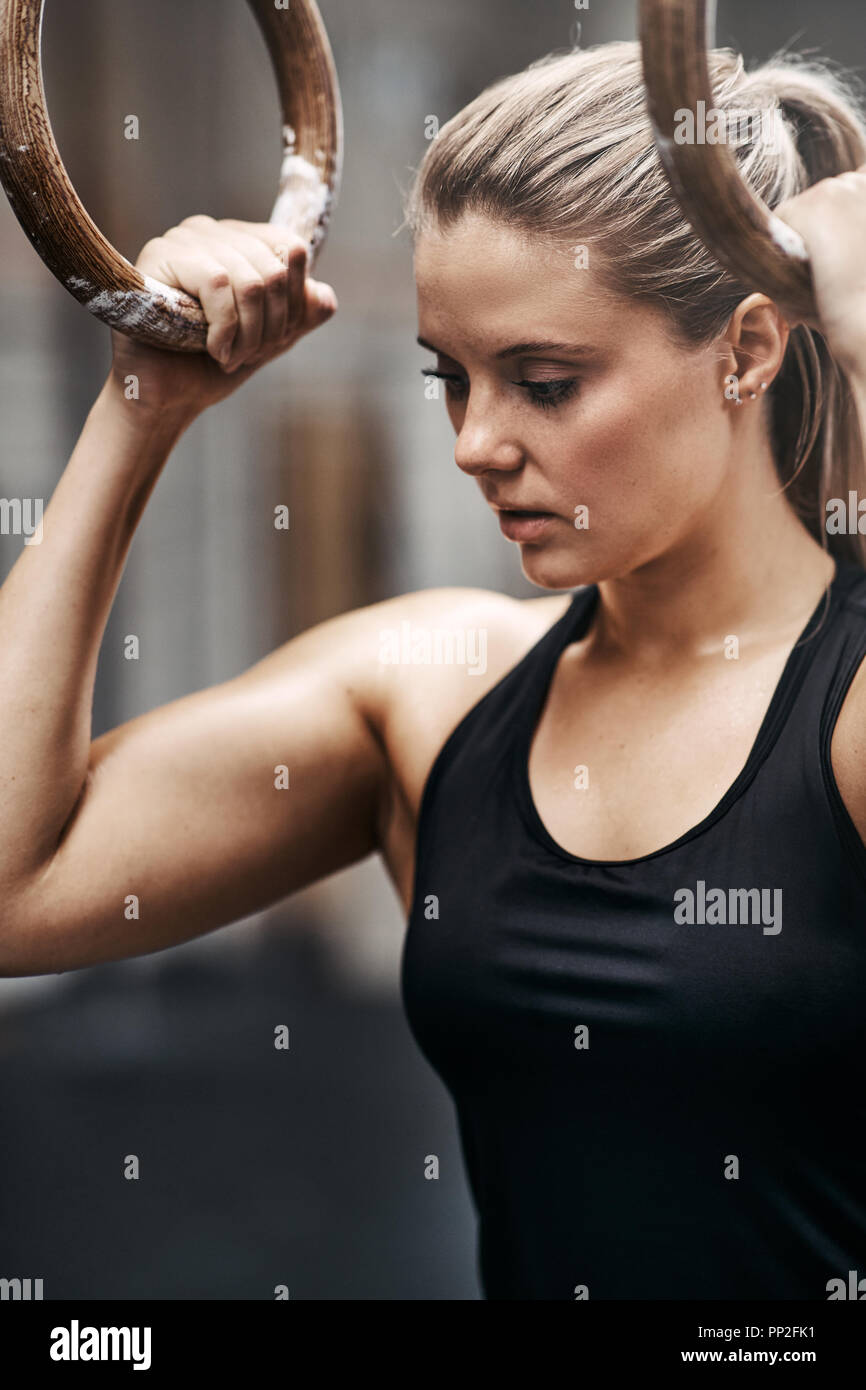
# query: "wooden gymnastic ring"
{"type": "Point", "coordinates": [72, 246]}
{"type": "Point", "coordinates": [735, 225]}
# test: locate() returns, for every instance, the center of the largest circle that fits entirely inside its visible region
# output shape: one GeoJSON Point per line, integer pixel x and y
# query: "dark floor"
{"type": "Point", "coordinates": [258, 1167]}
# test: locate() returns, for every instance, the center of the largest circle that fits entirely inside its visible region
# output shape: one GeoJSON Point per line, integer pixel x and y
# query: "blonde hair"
{"type": "Point", "coordinates": [565, 148]}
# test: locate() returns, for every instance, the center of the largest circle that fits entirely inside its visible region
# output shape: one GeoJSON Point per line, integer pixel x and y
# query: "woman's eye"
{"type": "Point", "coordinates": [550, 393]}
{"type": "Point", "coordinates": [546, 394]}
{"type": "Point", "coordinates": [456, 386]}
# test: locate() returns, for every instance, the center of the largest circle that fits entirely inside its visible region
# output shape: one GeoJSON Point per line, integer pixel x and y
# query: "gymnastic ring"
{"type": "Point", "coordinates": [749, 240]}
{"type": "Point", "coordinates": [72, 246]}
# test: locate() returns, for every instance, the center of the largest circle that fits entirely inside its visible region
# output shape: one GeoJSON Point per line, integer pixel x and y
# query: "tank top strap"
{"type": "Point", "coordinates": [801, 690]}
{"type": "Point", "coordinates": [488, 733]}
{"type": "Point", "coordinates": [796, 769]}
{"type": "Point", "coordinates": [517, 702]}
{"type": "Point", "coordinates": [824, 657]}
{"type": "Point", "coordinates": [848, 653]}
{"type": "Point", "coordinates": [524, 687]}
{"type": "Point", "coordinates": [540, 663]}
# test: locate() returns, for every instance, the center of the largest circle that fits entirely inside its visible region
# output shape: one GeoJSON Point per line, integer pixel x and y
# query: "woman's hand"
{"type": "Point", "coordinates": [831, 218]}
{"type": "Point", "coordinates": [250, 278]}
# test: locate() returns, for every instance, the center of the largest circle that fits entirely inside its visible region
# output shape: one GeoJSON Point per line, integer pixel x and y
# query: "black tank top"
{"type": "Point", "coordinates": [658, 1074]}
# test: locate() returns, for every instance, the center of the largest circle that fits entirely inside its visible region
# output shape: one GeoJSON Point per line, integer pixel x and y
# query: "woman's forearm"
{"type": "Point", "coordinates": [54, 607]}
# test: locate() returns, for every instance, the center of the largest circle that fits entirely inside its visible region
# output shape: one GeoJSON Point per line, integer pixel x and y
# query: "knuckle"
{"type": "Point", "coordinates": [251, 291]}
{"type": "Point", "coordinates": [198, 220]}
{"type": "Point", "coordinates": [276, 280]}
{"type": "Point", "coordinates": [218, 279]}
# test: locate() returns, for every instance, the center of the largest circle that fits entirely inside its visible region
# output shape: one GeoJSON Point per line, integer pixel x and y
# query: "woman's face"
{"type": "Point", "coordinates": [573, 407]}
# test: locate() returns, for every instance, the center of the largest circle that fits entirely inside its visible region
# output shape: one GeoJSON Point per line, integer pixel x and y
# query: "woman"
{"type": "Point", "coordinates": [631, 848]}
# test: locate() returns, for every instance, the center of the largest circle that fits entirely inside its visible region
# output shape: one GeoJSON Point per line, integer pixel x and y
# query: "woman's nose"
{"type": "Point", "coordinates": [483, 445]}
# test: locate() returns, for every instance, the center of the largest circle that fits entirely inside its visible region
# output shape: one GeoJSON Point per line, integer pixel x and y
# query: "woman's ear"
{"type": "Point", "coordinates": [758, 334]}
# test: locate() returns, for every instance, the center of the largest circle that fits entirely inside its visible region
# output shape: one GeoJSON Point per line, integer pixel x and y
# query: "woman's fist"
{"type": "Point", "coordinates": [251, 281]}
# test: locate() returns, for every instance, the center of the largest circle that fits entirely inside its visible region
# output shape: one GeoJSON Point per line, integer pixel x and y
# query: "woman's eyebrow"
{"type": "Point", "coordinates": [528, 349]}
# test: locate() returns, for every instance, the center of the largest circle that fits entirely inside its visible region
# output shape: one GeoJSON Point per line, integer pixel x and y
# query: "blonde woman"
{"type": "Point", "coordinates": [631, 852]}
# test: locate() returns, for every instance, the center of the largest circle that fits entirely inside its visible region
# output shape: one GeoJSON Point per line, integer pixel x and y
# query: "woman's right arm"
{"type": "Point", "coordinates": [178, 821]}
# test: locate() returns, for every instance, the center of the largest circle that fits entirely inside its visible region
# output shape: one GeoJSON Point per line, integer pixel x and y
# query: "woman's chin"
{"type": "Point", "coordinates": [550, 571]}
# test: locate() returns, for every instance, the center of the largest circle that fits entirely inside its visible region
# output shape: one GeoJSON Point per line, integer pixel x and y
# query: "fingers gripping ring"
{"type": "Point", "coordinates": [760, 249]}
{"type": "Point", "coordinates": [72, 246]}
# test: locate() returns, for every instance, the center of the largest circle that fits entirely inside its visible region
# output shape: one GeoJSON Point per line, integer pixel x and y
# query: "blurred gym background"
{"type": "Point", "coordinates": [259, 1168]}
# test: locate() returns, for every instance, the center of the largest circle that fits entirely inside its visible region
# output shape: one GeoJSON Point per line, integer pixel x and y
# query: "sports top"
{"type": "Point", "coordinates": [657, 1063]}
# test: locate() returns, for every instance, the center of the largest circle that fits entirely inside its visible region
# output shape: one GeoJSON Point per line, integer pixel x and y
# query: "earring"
{"type": "Point", "coordinates": [753, 395]}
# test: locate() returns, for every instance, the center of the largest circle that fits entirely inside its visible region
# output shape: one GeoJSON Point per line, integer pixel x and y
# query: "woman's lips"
{"type": "Point", "coordinates": [524, 526]}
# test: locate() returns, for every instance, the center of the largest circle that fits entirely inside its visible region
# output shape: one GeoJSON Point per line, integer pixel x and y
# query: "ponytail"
{"type": "Point", "coordinates": [816, 434]}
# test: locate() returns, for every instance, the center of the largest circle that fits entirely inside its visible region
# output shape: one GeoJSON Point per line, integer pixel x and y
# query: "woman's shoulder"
{"type": "Point", "coordinates": [438, 646]}
{"type": "Point", "coordinates": [449, 603]}
{"type": "Point", "coordinates": [475, 632]}
{"type": "Point", "coordinates": [429, 656]}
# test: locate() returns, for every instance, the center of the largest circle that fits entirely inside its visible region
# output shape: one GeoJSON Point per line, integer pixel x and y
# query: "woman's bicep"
{"type": "Point", "coordinates": [208, 809]}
